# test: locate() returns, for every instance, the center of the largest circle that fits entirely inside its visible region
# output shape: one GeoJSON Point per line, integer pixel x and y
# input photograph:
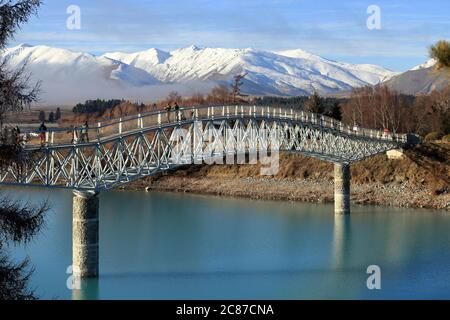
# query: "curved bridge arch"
{"type": "Point", "coordinates": [123, 150]}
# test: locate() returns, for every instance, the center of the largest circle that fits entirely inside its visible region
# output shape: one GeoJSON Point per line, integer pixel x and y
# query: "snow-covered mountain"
{"type": "Point", "coordinates": [430, 63]}
{"type": "Point", "coordinates": [69, 77]}
{"type": "Point", "coordinates": [368, 73]}
{"type": "Point", "coordinates": [282, 73]}
{"type": "Point", "coordinates": [145, 60]}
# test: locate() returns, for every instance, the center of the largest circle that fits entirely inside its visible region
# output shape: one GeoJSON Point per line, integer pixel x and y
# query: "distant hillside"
{"type": "Point", "coordinates": [422, 79]}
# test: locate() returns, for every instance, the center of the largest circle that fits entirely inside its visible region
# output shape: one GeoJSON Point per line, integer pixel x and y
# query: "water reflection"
{"type": "Point", "coordinates": [88, 290]}
{"type": "Point", "coordinates": [341, 252]}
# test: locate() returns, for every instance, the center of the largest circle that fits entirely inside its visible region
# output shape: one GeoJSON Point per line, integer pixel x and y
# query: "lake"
{"type": "Point", "coordinates": [180, 246]}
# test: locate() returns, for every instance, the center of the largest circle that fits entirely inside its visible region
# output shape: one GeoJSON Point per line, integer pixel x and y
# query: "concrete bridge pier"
{"type": "Point", "coordinates": [85, 234]}
{"type": "Point", "coordinates": [341, 188]}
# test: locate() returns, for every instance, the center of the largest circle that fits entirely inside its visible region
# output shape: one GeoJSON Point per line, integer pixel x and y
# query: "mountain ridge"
{"type": "Point", "coordinates": [71, 76]}
{"type": "Point", "coordinates": [422, 79]}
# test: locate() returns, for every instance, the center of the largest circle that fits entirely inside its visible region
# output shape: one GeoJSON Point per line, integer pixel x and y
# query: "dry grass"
{"type": "Point", "coordinates": [426, 165]}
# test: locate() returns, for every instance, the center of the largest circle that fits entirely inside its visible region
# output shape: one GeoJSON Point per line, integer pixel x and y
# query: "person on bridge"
{"type": "Point", "coordinates": [17, 134]}
{"type": "Point", "coordinates": [176, 107]}
{"type": "Point", "coordinates": [73, 131]}
{"type": "Point", "coordinates": [85, 132]}
{"type": "Point", "coordinates": [42, 132]}
{"type": "Point", "coordinates": [168, 109]}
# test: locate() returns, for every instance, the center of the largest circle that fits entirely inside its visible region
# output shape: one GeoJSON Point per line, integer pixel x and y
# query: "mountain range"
{"type": "Point", "coordinates": [279, 73]}
{"type": "Point", "coordinates": [69, 77]}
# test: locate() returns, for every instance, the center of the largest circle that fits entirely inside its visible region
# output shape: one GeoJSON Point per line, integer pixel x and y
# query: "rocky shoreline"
{"type": "Point", "coordinates": [420, 179]}
{"type": "Point", "coordinates": [402, 195]}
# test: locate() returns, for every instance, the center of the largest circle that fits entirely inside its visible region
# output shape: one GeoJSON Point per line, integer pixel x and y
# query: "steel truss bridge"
{"type": "Point", "coordinates": [126, 149]}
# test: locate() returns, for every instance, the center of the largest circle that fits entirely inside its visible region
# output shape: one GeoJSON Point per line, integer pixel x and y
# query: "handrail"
{"type": "Point", "coordinates": [119, 126]}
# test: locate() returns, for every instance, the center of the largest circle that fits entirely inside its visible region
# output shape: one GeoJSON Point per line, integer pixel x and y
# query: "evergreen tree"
{"type": "Point", "coordinates": [16, 92]}
{"type": "Point", "coordinates": [51, 117]}
{"type": "Point", "coordinates": [58, 114]}
{"type": "Point", "coordinates": [314, 104]}
{"type": "Point", "coordinates": [96, 106]}
{"type": "Point", "coordinates": [42, 116]}
{"type": "Point", "coordinates": [18, 223]}
{"type": "Point", "coordinates": [441, 52]}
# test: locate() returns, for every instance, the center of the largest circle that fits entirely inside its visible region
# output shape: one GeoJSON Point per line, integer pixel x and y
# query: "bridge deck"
{"type": "Point", "coordinates": [112, 129]}
{"type": "Point", "coordinates": [122, 150]}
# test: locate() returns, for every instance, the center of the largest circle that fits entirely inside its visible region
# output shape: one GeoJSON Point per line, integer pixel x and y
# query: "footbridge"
{"type": "Point", "coordinates": [112, 153]}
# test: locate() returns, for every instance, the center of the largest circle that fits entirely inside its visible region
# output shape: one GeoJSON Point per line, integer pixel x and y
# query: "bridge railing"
{"type": "Point", "coordinates": [116, 127]}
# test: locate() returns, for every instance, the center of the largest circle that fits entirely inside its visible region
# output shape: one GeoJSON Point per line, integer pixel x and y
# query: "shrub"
{"type": "Point", "coordinates": [441, 52]}
{"type": "Point", "coordinates": [96, 106]}
{"type": "Point", "coordinates": [432, 136]}
{"type": "Point", "coordinates": [446, 138]}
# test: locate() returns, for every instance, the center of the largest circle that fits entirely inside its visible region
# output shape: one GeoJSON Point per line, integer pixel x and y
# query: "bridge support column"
{"type": "Point", "coordinates": [85, 234]}
{"type": "Point", "coordinates": [341, 188]}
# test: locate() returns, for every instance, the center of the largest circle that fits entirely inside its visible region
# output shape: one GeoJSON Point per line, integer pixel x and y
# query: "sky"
{"type": "Point", "coordinates": [333, 29]}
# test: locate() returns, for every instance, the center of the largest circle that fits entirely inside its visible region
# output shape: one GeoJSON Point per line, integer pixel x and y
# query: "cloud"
{"type": "Point", "coordinates": [327, 28]}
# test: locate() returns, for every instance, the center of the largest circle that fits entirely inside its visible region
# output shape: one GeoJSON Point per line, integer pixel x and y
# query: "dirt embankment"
{"type": "Point", "coordinates": [421, 179]}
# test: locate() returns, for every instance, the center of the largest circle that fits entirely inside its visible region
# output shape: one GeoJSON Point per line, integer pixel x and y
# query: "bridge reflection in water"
{"type": "Point", "coordinates": [341, 240]}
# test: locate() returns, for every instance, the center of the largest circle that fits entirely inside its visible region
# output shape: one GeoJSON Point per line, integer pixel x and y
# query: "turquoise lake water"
{"type": "Point", "coordinates": [178, 246]}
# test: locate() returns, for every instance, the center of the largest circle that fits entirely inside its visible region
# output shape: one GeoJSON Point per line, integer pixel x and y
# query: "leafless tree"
{"type": "Point", "coordinates": [391, 109]}
{"type": "Point", "coordinates": [431, 113]}
{"type": "Point", "coordinates": [236, 86]}
{"type": "Point", "coordinates": [197, 99]}
{"type": "Point", "coordinates": [376, 107]}
{"type": "Point", "coordinates": [174, 97]}
{"type": "Point", "coordinates": [219, 94]}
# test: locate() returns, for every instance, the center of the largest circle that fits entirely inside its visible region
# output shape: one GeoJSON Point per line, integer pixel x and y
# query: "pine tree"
{"type": "Point", "coordinates": [42, 116]}
{"type": "Point", "coordinates": [58, 114]}
{"type": "Point", "coordinates": [18, 223]}
{"type": "Point", "coordinates": [441, 52]}
{"type": "Point", "coordinates": [51, 117]}
{"type": "Point", "coordinates": [17, 93]}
